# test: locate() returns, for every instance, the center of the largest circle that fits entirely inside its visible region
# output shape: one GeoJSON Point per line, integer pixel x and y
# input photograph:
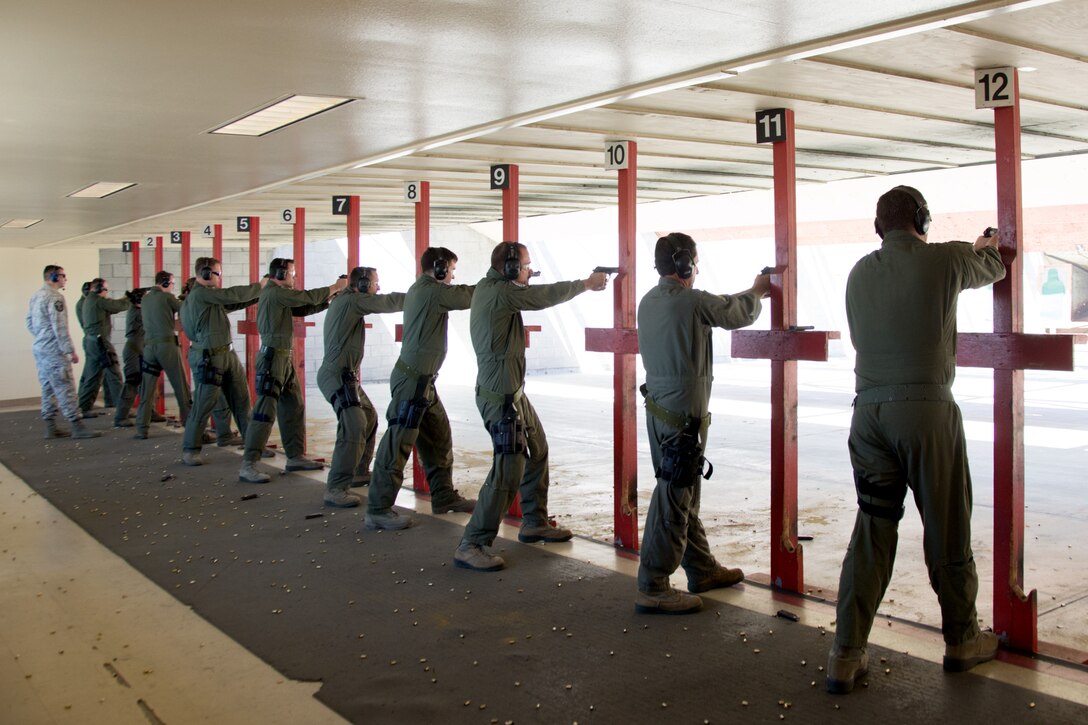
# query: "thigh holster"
{"type": "Point", "coordinates": [150, 368]}
{"type": "Point", "coordinates": [347, 395]}
{"type": "Point", "coordinates": [508, 434]}
{"type": "Point", "coordinates": [682, 462]}
{"type": "Point", "coordinates": [107, 355]}
{"type": "Point", "coordinates": [889, 499]}
{"type": "Point", "coordinates": [207, 373]}
{"type": "Point", "coordinates": [410, 412]}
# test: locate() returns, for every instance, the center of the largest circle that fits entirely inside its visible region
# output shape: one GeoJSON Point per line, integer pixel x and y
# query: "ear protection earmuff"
{"type": "Point", "coordinates": [921, 216]}
{"type": "Point", "coordinates": [98, 286]}
{"type": "Point", "coordinates": [54, 276]}
{"type": "Point", "coordinates": [362, 281]}
{"type": "Point", "coordinates": [685, 265]}
{"type": "Point", "coordinates": [205, 274]}
{"type": "Point", "coordinates": [279, 270]}
{"type": "Point", "coordinates": [441, 269]}
{"type": "Point", "coordinates": [511, 267]}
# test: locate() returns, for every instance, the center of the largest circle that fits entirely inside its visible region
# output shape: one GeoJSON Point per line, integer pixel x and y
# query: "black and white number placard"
{"type": "Point", "coordinates": [287, 216]}
{"type": "Point", "coordinates": [411, 192]}
{"type": "Point", "coordinates": [341, 205]}
{"type": "Point", "coordinates": [615, 155]}
{"type": "Point", "coordinates": [500, 176]}
{"type": "Point", "coordinates": [175, 237]}
{"type": "Point", "coordinates": [208, 231]}
{"type": "Point", "coordinates": [994, 87]}
{"type": "Point", "coordinates": [771, 125]}
{"type": "Point", "coordinates": [243, 224]}
{"type": "Point", "coordinates": [149, 241]}
{"type": "Point", "coordinates": [128, 246]}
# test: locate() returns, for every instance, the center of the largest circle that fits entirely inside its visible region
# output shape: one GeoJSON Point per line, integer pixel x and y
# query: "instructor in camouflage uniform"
{"type": "Point", "coordinates": [416, 414]}
{"type": "Point", "coordinates": [675, 323]}
{"type": "Point", "coordinates": [278, 391]}
{"type": "Point", "coordinates": [54, 354]}
{"type": "Point", "coordinates": [907, 431]}
{"type": "Point", "coordinates": [356, 419]}
{"type": "Point", "coordinates": [521, 448]}
{"type": "Point", "coordinates": [212, 360]}
{"type": "Point", "coordinates": [100, 356]}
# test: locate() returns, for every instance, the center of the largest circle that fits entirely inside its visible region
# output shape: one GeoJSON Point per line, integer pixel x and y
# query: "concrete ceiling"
{"type": "Point", "coordinates": [127, 91]}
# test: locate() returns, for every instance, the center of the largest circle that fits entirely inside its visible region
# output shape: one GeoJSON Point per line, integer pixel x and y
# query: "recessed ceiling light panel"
{"type": "Point", "coordinates": [19, 223]}
{"type": "Point", "coordinates": [280, 114]}
{"type": "Point", "coordinates": [101, 189]}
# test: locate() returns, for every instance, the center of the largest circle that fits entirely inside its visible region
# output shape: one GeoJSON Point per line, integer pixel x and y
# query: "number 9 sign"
{"type": "Point", "coordinates": [500, 176]}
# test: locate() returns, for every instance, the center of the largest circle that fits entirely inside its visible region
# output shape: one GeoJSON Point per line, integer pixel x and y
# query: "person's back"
{"type": "Point", "coordinates": [901, 308]}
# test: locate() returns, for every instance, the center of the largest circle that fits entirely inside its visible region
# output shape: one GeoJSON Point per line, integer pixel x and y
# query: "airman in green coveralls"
{"type": "Point", "coordinates": [99, 354]}
{"type": "Point", "coordinates": [357, 420]}
{"type": "Point", "coordinates": [131, 355]}
{"type": "Point", "coordinates": [907, 431]}
{"type": "Point", "coordinates": [217, 373]}
{"type": "Point", "coordinates": [675, 322]}
{"type": "Point", "coordinates": [416, 414]}
{"type": "Point", "coordinates": [108, 400]}
{"type": "Point", "coordinates": [521, 448]}
{"type": "Point", "coordinates": [278, 392]}
{"type": "Point", "coordinates": [162, 353]}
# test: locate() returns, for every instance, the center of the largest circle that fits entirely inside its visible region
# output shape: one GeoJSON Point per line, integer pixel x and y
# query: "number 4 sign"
{"type": "Point", "coordinates": [994, 87]}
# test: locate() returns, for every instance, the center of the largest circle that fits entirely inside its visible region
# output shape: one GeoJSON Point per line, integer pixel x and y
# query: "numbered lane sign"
{"type": "Point", "coordinates": [341, 205]}
{"type": "Point", "coordinates": [128, 246]}
{"type": "Point", "coordinates": [287, 216]}
{"type": "Point", "coordinates": [208, 232]}
{"type": "Point", "coordinates": [175, 237]}
{"type": "Point", "coordinates": [615, 155]}
{"type": "Point", "coordinates": [500, 176]}
{"type": "Point", "coordinates": [993, 87]}
{"type": "Point", "coordinates": [243, 224]}
{"type": "Point", "coordinates": [411, 192]}
{"type": "Point", "coordinates": [771, 125]}
{"type": "Point", "coordinates": [149, 241]}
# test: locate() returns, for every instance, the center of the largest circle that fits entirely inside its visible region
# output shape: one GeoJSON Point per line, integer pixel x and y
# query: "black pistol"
{"type": "Point", "coordinates": [607, 270]}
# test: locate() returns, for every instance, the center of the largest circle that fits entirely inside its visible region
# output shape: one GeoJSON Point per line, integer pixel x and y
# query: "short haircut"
{"type": "Point", "coordinates": [96, 284]}
{"type": "Point", "coordinates": [202, 262]}
{"type": "Point", "coordinates": [358, 273]}
{"type": "Point", "coordinates": [187, 287]}
{"type": "Point", "coordinates": [50, 269]}
{"type": "Point", "coordinates": [669, 245]}
{"type": "Point", "coordinates": [896, 209]}
{"type": "Point", "coordinates": [279, 263]}
{"type": "Point", "coordinates": [162, 278]}
{"type": "Point", "coordinates": [501, 253]}
{"type": "Point", "coordinates": [86, 287]}
{"type": "Point", "coordinates": [433, 254]}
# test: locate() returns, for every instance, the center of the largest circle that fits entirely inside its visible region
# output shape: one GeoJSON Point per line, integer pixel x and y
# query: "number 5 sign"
{"type": "Point", "coordinates": [994, 87]}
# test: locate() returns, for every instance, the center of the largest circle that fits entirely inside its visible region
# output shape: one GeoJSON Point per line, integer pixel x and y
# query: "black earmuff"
{"type": "Point", "coordinates": [441, 269]}
{"type": "Point", "coordinates": [362, 280]}
{"type": "Point", "coordinates": [922, 217]}
{"type": "Point", "coordinates": [511, 267]}
{"type": "Point", "coordinates": [279, 272]}
{"type": "Point", "coordinates": [684, 263]}
{"type": "Point", "coordinates": [99, 286]}
{"type": "Point", "coordinates": [205, 274]}
{"type": "Point", "coordinates": [876, 226]}
{"type": "Point", "coordinates": [54, 277]}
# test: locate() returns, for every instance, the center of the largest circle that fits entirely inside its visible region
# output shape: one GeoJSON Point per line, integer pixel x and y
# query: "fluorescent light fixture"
{"type": "Point", "coordinates": [386, 157]}
{"type": "Point", "coordinates": [279, 114]}
{"type": "Point", "coordinates": [1027, 69]}
{"type": "Point", "coordinates": [101, 189]}
{"type": "Point", "coordinates": [19, 223]}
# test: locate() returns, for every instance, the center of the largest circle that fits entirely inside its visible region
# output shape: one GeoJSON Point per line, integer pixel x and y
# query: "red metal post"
{"type": "Point", "coordinates": [1015, 611]}
{"type": "Point", "coordinates": [160, 399]}
{"type": "Point", "coordinates": [158, 255]}
{"type": "Point", "coordinates": [300, 323]}
{"type": "Point", "coordinates": [217, 244]}
{"type": "Point", "coordinates": [510, 213]}
{"type": "Point", "coordinates": [135, 264]}
{"type": "Point", "coordinates": [423, 240]}
{"type": "Point", "coordinates": [354, 249]}
{"type": "Point", "coordinates": [786, 554]}
{"type": "Point", "coordinates": [186, 273]}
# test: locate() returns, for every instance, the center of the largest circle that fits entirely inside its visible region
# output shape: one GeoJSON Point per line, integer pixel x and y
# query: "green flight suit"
{"type": "Point", "coordinates": [426, 319]}
{"type": "Point", "coordinates": [130, 363]}
{"type": "Point", "coordinates": [907, 430]}
{"type": "Point", "coordinates": [204, 318]}
{"type": "Point", "coordinates": [100, 357]}
{"type": "Point", "coordinates": [674, 337]}
{"type": "Point", "coordinates": [498, 337]}
{"type": "Point", "coordinates": [161, 350]}
{"type": "Point", "coordinates": [356, 425]}
{"type": "Point", "coordinates": [276, 309]}
{"type": "Point", "coordinates": [83, 384]}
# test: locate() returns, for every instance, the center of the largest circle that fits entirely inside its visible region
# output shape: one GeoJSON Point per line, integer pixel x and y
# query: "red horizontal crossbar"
{"type": "Point", "coordinates": [611, 339]}
{"type": "Point", "coordinates": [247, 327]}
{"type": "Point", "coordinates": [1014, 351]}
{"type": "Point", "coordinates": [782, 344]}
{"type": "Point", "coordinates": [528, 329]}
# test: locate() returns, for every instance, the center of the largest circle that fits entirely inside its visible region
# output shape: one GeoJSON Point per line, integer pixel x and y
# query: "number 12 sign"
{"type": "Point", "coordinates": [993, 87]}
